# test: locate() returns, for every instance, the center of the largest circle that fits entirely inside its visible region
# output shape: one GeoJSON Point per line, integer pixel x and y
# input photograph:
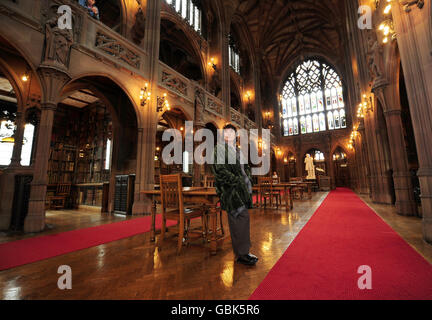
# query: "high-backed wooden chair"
{"type": "Point", "coordinates": [266, 191]}
{"type": "Point", "coordinates": [58, 201]}
{"type": "Point", "coordinates": [209, 182]}
{"type": "Point", "coordinates": [173, 208]}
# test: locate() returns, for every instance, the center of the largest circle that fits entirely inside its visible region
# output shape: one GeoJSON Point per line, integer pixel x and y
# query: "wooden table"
{"type": "Point", "coordinates": [193, 195]}
{"type": "Point", "coordinates": [286, 188]}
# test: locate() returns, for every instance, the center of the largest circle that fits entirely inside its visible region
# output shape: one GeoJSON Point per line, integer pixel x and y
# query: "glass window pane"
{"type": "Point", "coordinates": [328, 100]}
{"type": "Point", "coordinates": [307, 104]}
{"type": "Point", "coordinates": [108, 155]}
{"type": "Point", "coordinates": [6, 142]}
{"type": "Point", "coordinates": [322, 122]}
{"type": "Point", "coordinates": [315, 120]}
{"type": "Point", "coordinates": [330, 120]}
{"type": "Point", "coordinates": [342, 118]}
{"type": "Point", "coordinates": [301, 105]}
{"type": "Point", "coordinates": [191, 13]}
{"type": "Point", "coordinates": [314, 103]}
{"type": "Point", "coordinates": [309, 124]}
{"type": "Point", "coordinates": [285, 127]}
{"type": "Point", "coordinates": [336, 119]}
{"type": "Point", "coordinates": [303, 125]}
{"type": "Point", "coordinates": [178, 5]}
{"type": "Point", "coordinates": [291, 127]}
{"type": "Point", "coordinates": [184, 9]}
{"type": "Point", "coordinates": [27, 144]}
{"type": "Point", "coordinates": [196, 16]}
{"type": "Point", "coordinates": [296, 131]}
{"type": "Point", "coordinates": [294, 106]}
{"type": "Point", "coordinates": [320, 101]}
{"type": "Point", "coordinates": [340, 97]}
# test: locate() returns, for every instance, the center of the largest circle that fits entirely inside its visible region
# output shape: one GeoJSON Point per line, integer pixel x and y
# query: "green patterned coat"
{"type": "Point", "coordinates": [229, 182]}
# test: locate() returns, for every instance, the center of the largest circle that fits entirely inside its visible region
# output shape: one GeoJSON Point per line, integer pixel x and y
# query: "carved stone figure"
{"type": "Point", "coordinates": [138, 29]}
{"type": "Point", "coordinates": [199, 107]}
{"type": "Point", "coordinates": [310, 167]}
{"type": "Point", "coordinates": [375, 59]}
{"type": "Point", "coordinates": [215, 83]}
{"type": "Point", "coordinates": [58, 43]}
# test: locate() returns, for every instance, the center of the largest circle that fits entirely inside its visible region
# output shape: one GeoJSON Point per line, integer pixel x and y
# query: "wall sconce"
{"type": "Point", "coordinates": [285, 160]}
{"type": "Point", "coordinates": [248, 96]}
{"type": "Point", "coordinates": [364, 107]}
{"type": "Point", "coordinates": [212, 63]}
{"type": "Point", "coordinates": [386, 27]}
{"type": "Point", "coordinates": [145, 95]}
{"type": "Point", "coordinates": [279, 152]}
{"type": "Point", "coordinates": [162, 103]}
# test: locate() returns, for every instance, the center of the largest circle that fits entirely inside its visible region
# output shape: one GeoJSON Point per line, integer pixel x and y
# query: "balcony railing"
{"type": "Point", "coordinates": [181, 86]}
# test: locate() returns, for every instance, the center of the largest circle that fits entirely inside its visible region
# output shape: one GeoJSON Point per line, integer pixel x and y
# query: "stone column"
{"type": "Point", "coordinates": [53, 81]}
{"type": "Point", "coordinates": [405, 203]}
{"type": "Point", "coordinates": [414, 34]}
{"type": "Point", "coordinates": [147, 134]}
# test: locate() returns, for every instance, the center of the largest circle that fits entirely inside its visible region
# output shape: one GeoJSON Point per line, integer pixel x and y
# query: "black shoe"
{"type": "Point", "coordinates": [253, 257]}
{"type": "Point", "coordinates": [247, 259]}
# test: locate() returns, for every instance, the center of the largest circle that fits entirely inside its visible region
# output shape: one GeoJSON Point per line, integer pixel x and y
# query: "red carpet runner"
{"type": "Point", "coordinates": [343, 234]}
{"type": "Point", "coordinates": [16, 253]}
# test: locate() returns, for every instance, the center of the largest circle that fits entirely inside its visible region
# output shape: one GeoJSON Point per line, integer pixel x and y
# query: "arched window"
{"type": "Point", "coordinates": [313, 88]}
{"type": "Point", "coordinates": [233, 54]}
{"type": "Point", "coordinates": [188, 11]}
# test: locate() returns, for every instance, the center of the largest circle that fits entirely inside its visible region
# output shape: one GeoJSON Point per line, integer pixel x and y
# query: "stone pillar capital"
{"type": "Point", "coordinates": [53, 80]}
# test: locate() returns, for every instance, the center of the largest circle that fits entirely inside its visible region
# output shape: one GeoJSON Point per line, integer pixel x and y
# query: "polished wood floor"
{"type": "Point", "coordinates": [135, 268]}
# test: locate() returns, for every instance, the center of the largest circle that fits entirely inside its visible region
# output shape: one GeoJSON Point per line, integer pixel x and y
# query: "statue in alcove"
{"type": "Point", "coordinates": [138, 29]}
{"type": "Point", "coordinates": [310, 167]}
{"type": "Point", "coordinates": [58, 43]}
{"type": "Point", "coordinates": [215, 83]}
{"type": "Point", "coordinates": [375, 59]}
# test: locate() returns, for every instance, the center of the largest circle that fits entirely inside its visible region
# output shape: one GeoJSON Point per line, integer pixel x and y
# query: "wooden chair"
{"type": "Point", "coordinates": [298, 190]}
{"type": "Point", "coordinates": [58, 201]}
{"type": "Point", "coordinates": [173, 208]}
{"type": "Point", "coordinates": [266, 191]}
{"type": "Point", "coordinates": [209, 181]}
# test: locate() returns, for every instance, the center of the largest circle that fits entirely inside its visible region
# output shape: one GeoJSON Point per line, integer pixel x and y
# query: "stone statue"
{"type": "Point", "coordinates": [57, 43]}
{"type": "Point", "coordinates": [199, 106]}
{"type": "Point", "coordinates": [215, 83]}
{"type": "Point", "coordinates": [310, 167]}
{"type": "Point", "coordinates": [138, 28]}
{"type": "Point", "coordinates": [375, 59]}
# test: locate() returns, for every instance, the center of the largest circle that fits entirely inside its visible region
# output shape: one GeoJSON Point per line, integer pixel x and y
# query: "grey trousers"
{"type": "Point", "coordinates": [240, 232]}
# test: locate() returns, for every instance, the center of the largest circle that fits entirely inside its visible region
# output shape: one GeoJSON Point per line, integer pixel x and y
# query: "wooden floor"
{"type": "Point", "coordinates": [135, 268]}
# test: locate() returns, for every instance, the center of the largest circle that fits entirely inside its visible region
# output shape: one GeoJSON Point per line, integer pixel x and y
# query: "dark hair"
{"type": "Point", "coordinates": [230, 126]}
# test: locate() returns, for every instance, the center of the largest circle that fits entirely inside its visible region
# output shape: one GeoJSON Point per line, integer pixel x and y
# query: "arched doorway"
{"type": "Point", "coordinates": [174, 118]}
{"type": "Point", "coordinates": [341, 169]}
{"type": "Point", "coordinates": [290, 164]}
{"type": "Point", "coordinates": [93, 146]}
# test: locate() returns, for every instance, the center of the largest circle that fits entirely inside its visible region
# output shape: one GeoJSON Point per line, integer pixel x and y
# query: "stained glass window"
{"type": "Point", "coordinates": [313, 88]}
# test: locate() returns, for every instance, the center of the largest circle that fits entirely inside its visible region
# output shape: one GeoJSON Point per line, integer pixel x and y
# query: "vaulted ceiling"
{"type": "Point", "coordinates": [283, 30]}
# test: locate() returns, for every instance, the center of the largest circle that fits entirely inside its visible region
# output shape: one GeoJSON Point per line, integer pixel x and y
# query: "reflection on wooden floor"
{"type": "Point", "coordinates": [135, 268]}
